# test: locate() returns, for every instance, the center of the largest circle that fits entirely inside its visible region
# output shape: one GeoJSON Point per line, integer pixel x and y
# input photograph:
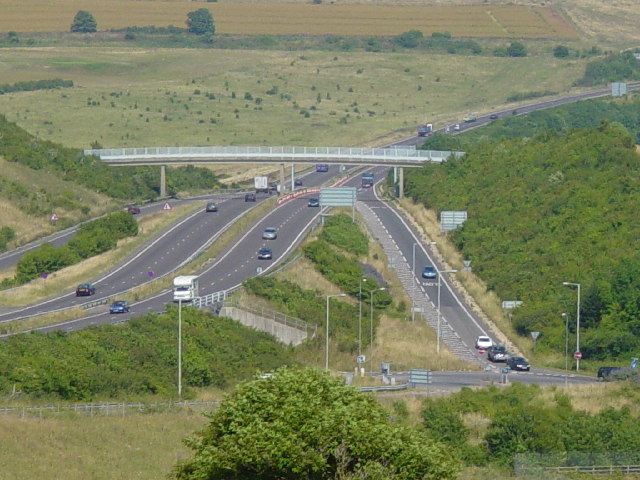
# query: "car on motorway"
{"type": "Point", "coordinates": [211, 207]}
{"type": "Point", "coordinates": [85, 290]}
{"type": "Point", "coordinates": [429, 272]}
{"type": "Point", "coordinates": [265, 254]}
{"type": "Point", "coordinates": [497, 353]}
{"type": "Point", "coordinates": [314, 202]}
{"type": "Point", "coordinates": [297, 182]}
{"type": "Point", "coordinates": [483, 342]}
{"type": "Point", "coordinates": [493, 116]}
{"type": "Point", "coordinates": [270, 233]}
{"type": "Point", "coordinates": [518, 363]}
{"type": "Point", "coordinates": [250, 197]}
{"type": "Point", "coordinates": [133, 209]}
{"type": "Point", "coordinates": [456, 127]}
{"type": "Point", "coordinates": [119, 306]}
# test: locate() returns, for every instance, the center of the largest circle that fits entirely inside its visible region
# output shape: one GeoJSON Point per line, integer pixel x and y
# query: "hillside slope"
{"type": "Point", "coordinates": [551, 208]}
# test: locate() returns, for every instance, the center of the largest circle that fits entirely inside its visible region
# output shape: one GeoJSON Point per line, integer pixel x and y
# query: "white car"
{"type": "Point", "coordinates": [483, 342]}
{"type": "Point", "coordinates": [456, 127]}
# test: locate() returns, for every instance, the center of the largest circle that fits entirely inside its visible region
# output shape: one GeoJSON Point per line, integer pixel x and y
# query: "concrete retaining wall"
{"type": "Point", "coordinates": [284, 333]}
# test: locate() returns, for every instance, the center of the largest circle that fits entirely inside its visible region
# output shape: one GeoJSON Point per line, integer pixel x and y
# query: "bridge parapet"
{"type": "Point", "coordinates": [399, 156]}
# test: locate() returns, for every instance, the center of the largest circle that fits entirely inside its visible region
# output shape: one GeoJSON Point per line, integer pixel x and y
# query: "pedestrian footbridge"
{"type": "Point", "coordinates": [398, 157]}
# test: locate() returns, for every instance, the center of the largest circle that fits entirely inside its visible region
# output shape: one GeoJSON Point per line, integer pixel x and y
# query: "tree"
{"type": "Point", "coordinates": [409, 39]}
{"type": "Point", "coordinates": [84, 22]}
{"type": "Point", "coordinates": [307, 424]}
{"type": "Point", "coordinates": [560, 51]}
{"type": "Point", "coordinates": [516, 49]}
{"type": "Point", "coordinates": [200, 22]}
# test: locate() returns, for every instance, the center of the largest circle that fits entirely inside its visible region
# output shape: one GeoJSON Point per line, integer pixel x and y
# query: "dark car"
{"type": "Point", "coordinates": [297, 182]}
{"type": "Point", "coordinates": [119, 306]}
{"type": "Point", "coordinates": [493, 116]}
{"type": "Point", "coordinates": [250, 197]}
{"type": "Point", "coordinates": [497, 353]}
{"type": "Point", "coordinates": [518, 363]}
{"type": "Point", "coordinates": [211, 207]}
{"type": "Point", "coordinates": [133, 209]}
{"type": "Point", "coordinates": [608, 374]}
{"type": "Point", "coordinates": [264, 254]}
{"type": "Point", "coordinates": [429, 272]}
{"type": "Point", "coordinates": [85, 290]}
{"type": "Point", "coordinates": [313, 202]}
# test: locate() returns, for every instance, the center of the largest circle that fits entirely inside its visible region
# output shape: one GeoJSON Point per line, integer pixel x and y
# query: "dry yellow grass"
{"type": "Point", "coordinates": [295, 19]}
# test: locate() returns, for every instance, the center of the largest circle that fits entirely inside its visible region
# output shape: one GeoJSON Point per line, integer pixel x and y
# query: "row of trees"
{"type": "Point", "coordinates": [550, 208]}
{"type": "Point", "coordinates": [199, 22]}
{"type": "Point", "coordinates": [35, 85]}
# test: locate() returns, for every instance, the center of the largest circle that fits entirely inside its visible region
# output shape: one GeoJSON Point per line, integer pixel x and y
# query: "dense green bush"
{"type": "Point", "coordinates": [6, 235]}
{"type": "Point", "coordinates": [614, 68]}
{"type": "Point", "coordinates": [542, 210]}
{"type": "Point", "coordinates": [520, 420]}
{"type": "Point", "coordinates": [341, 231]}
{"type": "Point", "coordinates": [137, 357]}
{"type": "Point", "coordinates": [35, 85]}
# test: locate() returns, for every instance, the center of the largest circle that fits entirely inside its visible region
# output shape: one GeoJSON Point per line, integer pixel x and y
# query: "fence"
{"type": "Point", "coordinates": [568, 464]}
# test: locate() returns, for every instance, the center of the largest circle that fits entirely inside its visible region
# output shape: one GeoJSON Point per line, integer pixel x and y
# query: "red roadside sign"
{"type": "Point", "coordinates": [577, 355]}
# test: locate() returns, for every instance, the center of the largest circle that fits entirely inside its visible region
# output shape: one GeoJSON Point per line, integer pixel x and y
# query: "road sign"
{"type": "Point", "coordinates": [361, 359]}
{"type": "Point", "coordinates": [535, 335]}
{"type": "Point", "coordinates": [419, 377]}
{"type": "Point", "coordinates": [54, 217]}
{"type": "Point", "coordinates": [166, 206]}
{"type": "Point", "coordinates": [577, 355]}
{"type": "Point", "coordinates": [338, 196]}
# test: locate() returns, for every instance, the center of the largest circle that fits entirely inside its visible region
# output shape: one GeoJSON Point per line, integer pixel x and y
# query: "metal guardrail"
{"type": "Point", "coordinates": [384, 388]}
{"type": "Point", "coordinates": [394, 155]}
{"type": "Point", "coordinates": [210, 299]}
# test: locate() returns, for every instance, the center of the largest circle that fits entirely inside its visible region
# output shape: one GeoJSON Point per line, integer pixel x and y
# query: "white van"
{"type": "Point", "coordinates": [185, 288]}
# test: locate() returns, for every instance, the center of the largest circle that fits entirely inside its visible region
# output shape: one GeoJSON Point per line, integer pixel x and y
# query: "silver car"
{"type": "Point", "coordinates": [269, 233]}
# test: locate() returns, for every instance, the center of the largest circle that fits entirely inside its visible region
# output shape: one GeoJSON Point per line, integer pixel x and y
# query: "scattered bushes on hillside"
{"type": "Point", "coordinates": [137, 357]}
{"type": "Point", "coordinates": [551, 208]}
{"type": "Point", "coordinates": [93, 238]}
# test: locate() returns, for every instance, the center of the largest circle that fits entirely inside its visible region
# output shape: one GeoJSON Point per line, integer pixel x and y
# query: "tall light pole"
{"type": "Point", "coordinates": [439, 273]}
{"type": "Point", "coordinates": [577, 322]}
{"type": "Point", "coordinates": [566, 346]}
{"type": "Point", "coordinates": [179, 348]}
{"type": "Point", "coordinates": [371, 328]}
{"type": "Point", "coordinates": [362, 280]}
{"type": "Point", "coordinates": [326, 354]}
{"type": "Point", "coordinates": [413, 281]}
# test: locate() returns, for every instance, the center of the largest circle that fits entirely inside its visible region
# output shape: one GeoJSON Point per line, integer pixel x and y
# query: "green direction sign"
{"type": "Point", "coordinates": [338, 197]}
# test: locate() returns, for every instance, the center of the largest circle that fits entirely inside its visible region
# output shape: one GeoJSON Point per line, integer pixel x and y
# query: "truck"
{"type": "Point", "coordinates": [472, 117]}
{"type": "Point", "coordinates": [367, 180]}
{"type": "Point", "coordinates": [261, 184]}
{"type": "Point", "coordinates": [425, 129]}
{"type": "Point", "coordinates": [185, 288]}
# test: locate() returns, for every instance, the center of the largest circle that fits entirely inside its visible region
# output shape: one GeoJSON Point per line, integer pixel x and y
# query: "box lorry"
{"type": "Point", "coordinates": [261, 184]}
{"type": "Point", "coordinates": [185, 288]}
{"type": "Point", "coordinates": [425, 129]}
{"type": "Point", "coordinates": [367, 180]}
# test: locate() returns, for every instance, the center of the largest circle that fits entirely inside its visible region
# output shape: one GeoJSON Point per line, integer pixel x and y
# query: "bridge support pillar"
{"type": "Point", "coordinates": [282, 184]}
{"type": "Point", "coordinates": [400, 182]}
{"type": "Point", "coordinates": [163, 181]}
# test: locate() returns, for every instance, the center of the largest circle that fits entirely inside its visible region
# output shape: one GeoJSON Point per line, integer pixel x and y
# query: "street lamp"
{"type": "Point", "coordinates": [413, 281]}
{"type": "Point", "coordinates": [566, 346]}
{"type": "Point", "coordinates": [179, 348]}
{"type": "Point", "coordinates": [326, 355]}
{"type": "Point", "coordinates": [566, 284]}
{"type": "Point", "coordinates": [440, 272]}
{"type": "Point", "coordinates": [371, 328]}
{"type": "Point", "coordinates": [360, 315]}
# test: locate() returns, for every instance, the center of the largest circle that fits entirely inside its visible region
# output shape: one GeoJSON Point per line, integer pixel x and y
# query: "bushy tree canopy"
{"type": "Point", "coordinates": [84, 22]}
{"type": "Point", "coordinates": [307, 424]}
{"type": "Point", "coordinates": [200, 22]}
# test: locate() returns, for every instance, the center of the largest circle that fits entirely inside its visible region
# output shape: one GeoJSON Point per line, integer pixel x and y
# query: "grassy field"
{"type": "Point", "coordinates": [133, 97]}
{"type": "Point", "coordinates": [296, 19]}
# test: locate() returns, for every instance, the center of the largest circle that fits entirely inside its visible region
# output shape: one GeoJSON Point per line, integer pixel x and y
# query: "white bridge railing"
{"type": "Point", "coordinates": [387, 156]}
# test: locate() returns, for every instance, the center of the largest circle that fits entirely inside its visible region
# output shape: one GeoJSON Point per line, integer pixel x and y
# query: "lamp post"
{"type": "Point", "coordinates": [577, 321]}
{"type": "Point", "coordinates": [413, 281]}
{"type": "Point", "coordinates": [360, 315]}
{"type": "Point", "coordinates": [440, 272]}
{"type": "Point", "coordinates": [371, 328]}
{"type": "Point", "coordinates": [179, 348]}
{"type": "Point", "coordinates": [326, 355]}
{"type": "Point", "coordinates": [566, 346]}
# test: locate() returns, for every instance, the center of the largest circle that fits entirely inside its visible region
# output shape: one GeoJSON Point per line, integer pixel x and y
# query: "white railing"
{"type": "Point", "coordinates": [400, 155]}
